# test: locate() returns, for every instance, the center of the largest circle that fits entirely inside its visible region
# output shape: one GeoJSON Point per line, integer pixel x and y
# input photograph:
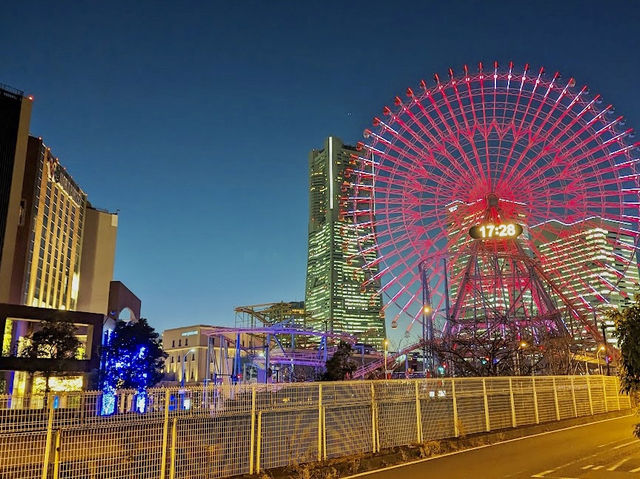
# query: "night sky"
{"type": "Point", "coordinates": [195, 120]}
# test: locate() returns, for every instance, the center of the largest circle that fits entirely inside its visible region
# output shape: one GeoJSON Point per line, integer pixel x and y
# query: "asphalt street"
{"type": "Point", "coordinates": [605, 449]}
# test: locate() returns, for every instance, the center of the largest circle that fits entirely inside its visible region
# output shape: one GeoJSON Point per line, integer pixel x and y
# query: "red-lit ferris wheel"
{"type": "Point", "coordinates": [500, 150]}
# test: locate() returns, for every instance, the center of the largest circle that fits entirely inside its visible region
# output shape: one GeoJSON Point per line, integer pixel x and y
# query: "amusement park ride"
{"type": "Point", "coordinates": [504, 204]}
{"type": "Point", "coordinates": [272, 342]}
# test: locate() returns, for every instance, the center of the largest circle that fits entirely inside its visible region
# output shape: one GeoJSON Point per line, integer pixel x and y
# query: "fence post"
{"type": "Point", "coordinates": [573, 396]}
{"type": "Point", "coordinates": [259, 442]}
{"type": "Point", "coordinates": [487, 422]}
{"type": "Point", "coordinates": [513, 405]}
{"type": "Point", "coordinates": [320, 422]}
{"type": "Point", "coordinates": [535, 399]}
{"type": "Point", "coordinates": [47, 450]}
{"type": "Point", "coordinates": [589, 391]}
{"type": "Point", "coordinates": [418, 415]}
{"type": "Point", "coordinates": [604, 394]}
{"type": "Point", "coordinates": [555, 399]}
{"type": "Point", "coordinates": [56, 455]}
{"type": "Point", "coordinates": [174, 440]}
{"type": "Point", "coordinates": [456, 429]}
{"type": "Point", "coordinates": [374, 425]}
{"type": "Point", "coordinates": [324, 433]}
{"type": "Point", "coordinates": [253, 427]}
{"type": "Point", "coordinates": [165, 434]}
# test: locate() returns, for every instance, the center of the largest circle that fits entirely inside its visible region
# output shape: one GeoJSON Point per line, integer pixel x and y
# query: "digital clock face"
{"type": "Point", "coordinates": [489, 231]}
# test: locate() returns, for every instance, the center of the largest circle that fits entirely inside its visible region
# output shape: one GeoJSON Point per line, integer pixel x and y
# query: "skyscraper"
{"type": "Point", "coordinates": [46, 271]}
{"type": "Point", "coordinates": [15, 113]}
{"type": "Point", "coordinates": [335, 294]}
{"type": "Point", "coordinates": [594, 265]}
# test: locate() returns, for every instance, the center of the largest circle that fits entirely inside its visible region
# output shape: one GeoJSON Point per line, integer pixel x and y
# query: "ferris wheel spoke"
{"type": "Point", "coordinates": [396, 280]}
{"type": "Point", "coordinates": [544, 139]}
{"type": "Point", "coordinates": [531, 96]}
{"type": "Point", "coordinates": [464, 132]}
{"type": "Point", "coordinates": [567, 158]}
{"type": "Point", "coordinates": [404, 311]}
{"type": "Point", "coordinates": [403, 157]}
{"type": "Point", "coordinates": [442, 150]}
{"type": "Point", "coordinates": [437, 151]}
{"type": "Point", "coordinates": [557, 103]}
{"type": "Point", "coordinates": [470, 133]}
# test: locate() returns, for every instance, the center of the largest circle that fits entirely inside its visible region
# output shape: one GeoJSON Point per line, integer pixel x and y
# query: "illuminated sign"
{"type": "Point", "coordinates": [190, 333]}
{"type": "Point", "coordinates": [490, 231]}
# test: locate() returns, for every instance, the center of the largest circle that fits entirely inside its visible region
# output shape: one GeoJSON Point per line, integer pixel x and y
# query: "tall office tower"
{"type": "Point", "coordinates": [15, 113]}
{"type": "Point", "coordinates": [335, 295]}
{"type": "Point", "coordinates": [46, 270]}
{"type": "Point", "coordinates": [590, 265]}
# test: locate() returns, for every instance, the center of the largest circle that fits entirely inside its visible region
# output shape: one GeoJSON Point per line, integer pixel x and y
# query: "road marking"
{"type": "Point", "coordinates": [635, 470]}
{"type": "Point", "coordinates": [587, 467]}
{"type": "Point", "coordinates": [543, 473]}
{"type": "Point", "coordinates": [426, 459]}
{"type": "Point", "coordinates": [618, 464]}
{"type": "Point", "coordinates": [608, 443]}
{"type": "Point", "coordinates": [597, 468]}
{"type": "Point", "coordinates": [627, 444]}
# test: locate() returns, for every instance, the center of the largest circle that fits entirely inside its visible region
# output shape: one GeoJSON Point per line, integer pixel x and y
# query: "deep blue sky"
{"type": "Point", "coordinates": [195, 119]}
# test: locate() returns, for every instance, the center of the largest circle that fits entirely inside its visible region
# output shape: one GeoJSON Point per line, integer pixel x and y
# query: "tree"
{"type": "Point", "coordinates": [340, 365]}
{"type": "Point", "coordinates": [55, 340]}
{"type": "Point", "coordinates": [627, 324]}
{"type": "Point", "coordinates": [133, 358]}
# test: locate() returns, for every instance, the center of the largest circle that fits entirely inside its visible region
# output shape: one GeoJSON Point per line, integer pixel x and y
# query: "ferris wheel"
{"type": "Point", "coordinates": [504, 193]}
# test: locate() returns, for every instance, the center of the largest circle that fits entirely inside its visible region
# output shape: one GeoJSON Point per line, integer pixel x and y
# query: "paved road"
{"type": "Point", "coordinates": [604, 450]}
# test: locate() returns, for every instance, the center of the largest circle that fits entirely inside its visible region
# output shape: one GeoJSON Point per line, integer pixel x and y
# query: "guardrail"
{"type": "Point", "coordinates": [221, 431]}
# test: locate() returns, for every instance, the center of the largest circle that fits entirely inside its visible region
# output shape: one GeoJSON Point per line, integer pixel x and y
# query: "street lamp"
{"type": "Point", "coordinates": [522, 346]}
{"type": "Point", "coordinates": [426, 311]}
{"type": "Point", "coordinates": [600, 349]}
{"type": "Point", "coordinates": [386, 344]}
{"type": "Point", "coordinates": [184, 360]}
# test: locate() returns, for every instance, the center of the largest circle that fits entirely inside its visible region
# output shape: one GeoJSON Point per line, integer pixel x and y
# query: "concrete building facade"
{"type": "Point", "coordinates": [189, 349]}
{"type": "Point", "coordinates": [98, 259]}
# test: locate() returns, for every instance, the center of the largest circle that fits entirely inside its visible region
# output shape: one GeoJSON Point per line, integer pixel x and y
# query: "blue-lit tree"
{"type": "Point", "coordinates": [133, 358]}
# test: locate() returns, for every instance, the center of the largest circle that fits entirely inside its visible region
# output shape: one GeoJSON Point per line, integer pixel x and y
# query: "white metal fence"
{"type": "Point", "coordinates": [221, 431]}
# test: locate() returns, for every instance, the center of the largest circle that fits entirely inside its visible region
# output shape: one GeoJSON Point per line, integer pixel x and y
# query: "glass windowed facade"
{"type": "Point", "coordinates": [58, 205]}
{"type": "Point", "coordinates": [334, 293]}
{"type": "Point", "coordinates": [593, 264]}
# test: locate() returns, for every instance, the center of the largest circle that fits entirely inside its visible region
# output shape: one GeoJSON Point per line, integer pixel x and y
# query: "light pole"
{"type": "Point", "coordinates": [600, 349]}
{"type": "Point", "coordinates": [521, 347]}
{"type": "Point", "coordinates": [184, 360]}
{"type": "Point", "coordinates": [386, 345]}
{"type": "Point", "coordinates": [426, 338]}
